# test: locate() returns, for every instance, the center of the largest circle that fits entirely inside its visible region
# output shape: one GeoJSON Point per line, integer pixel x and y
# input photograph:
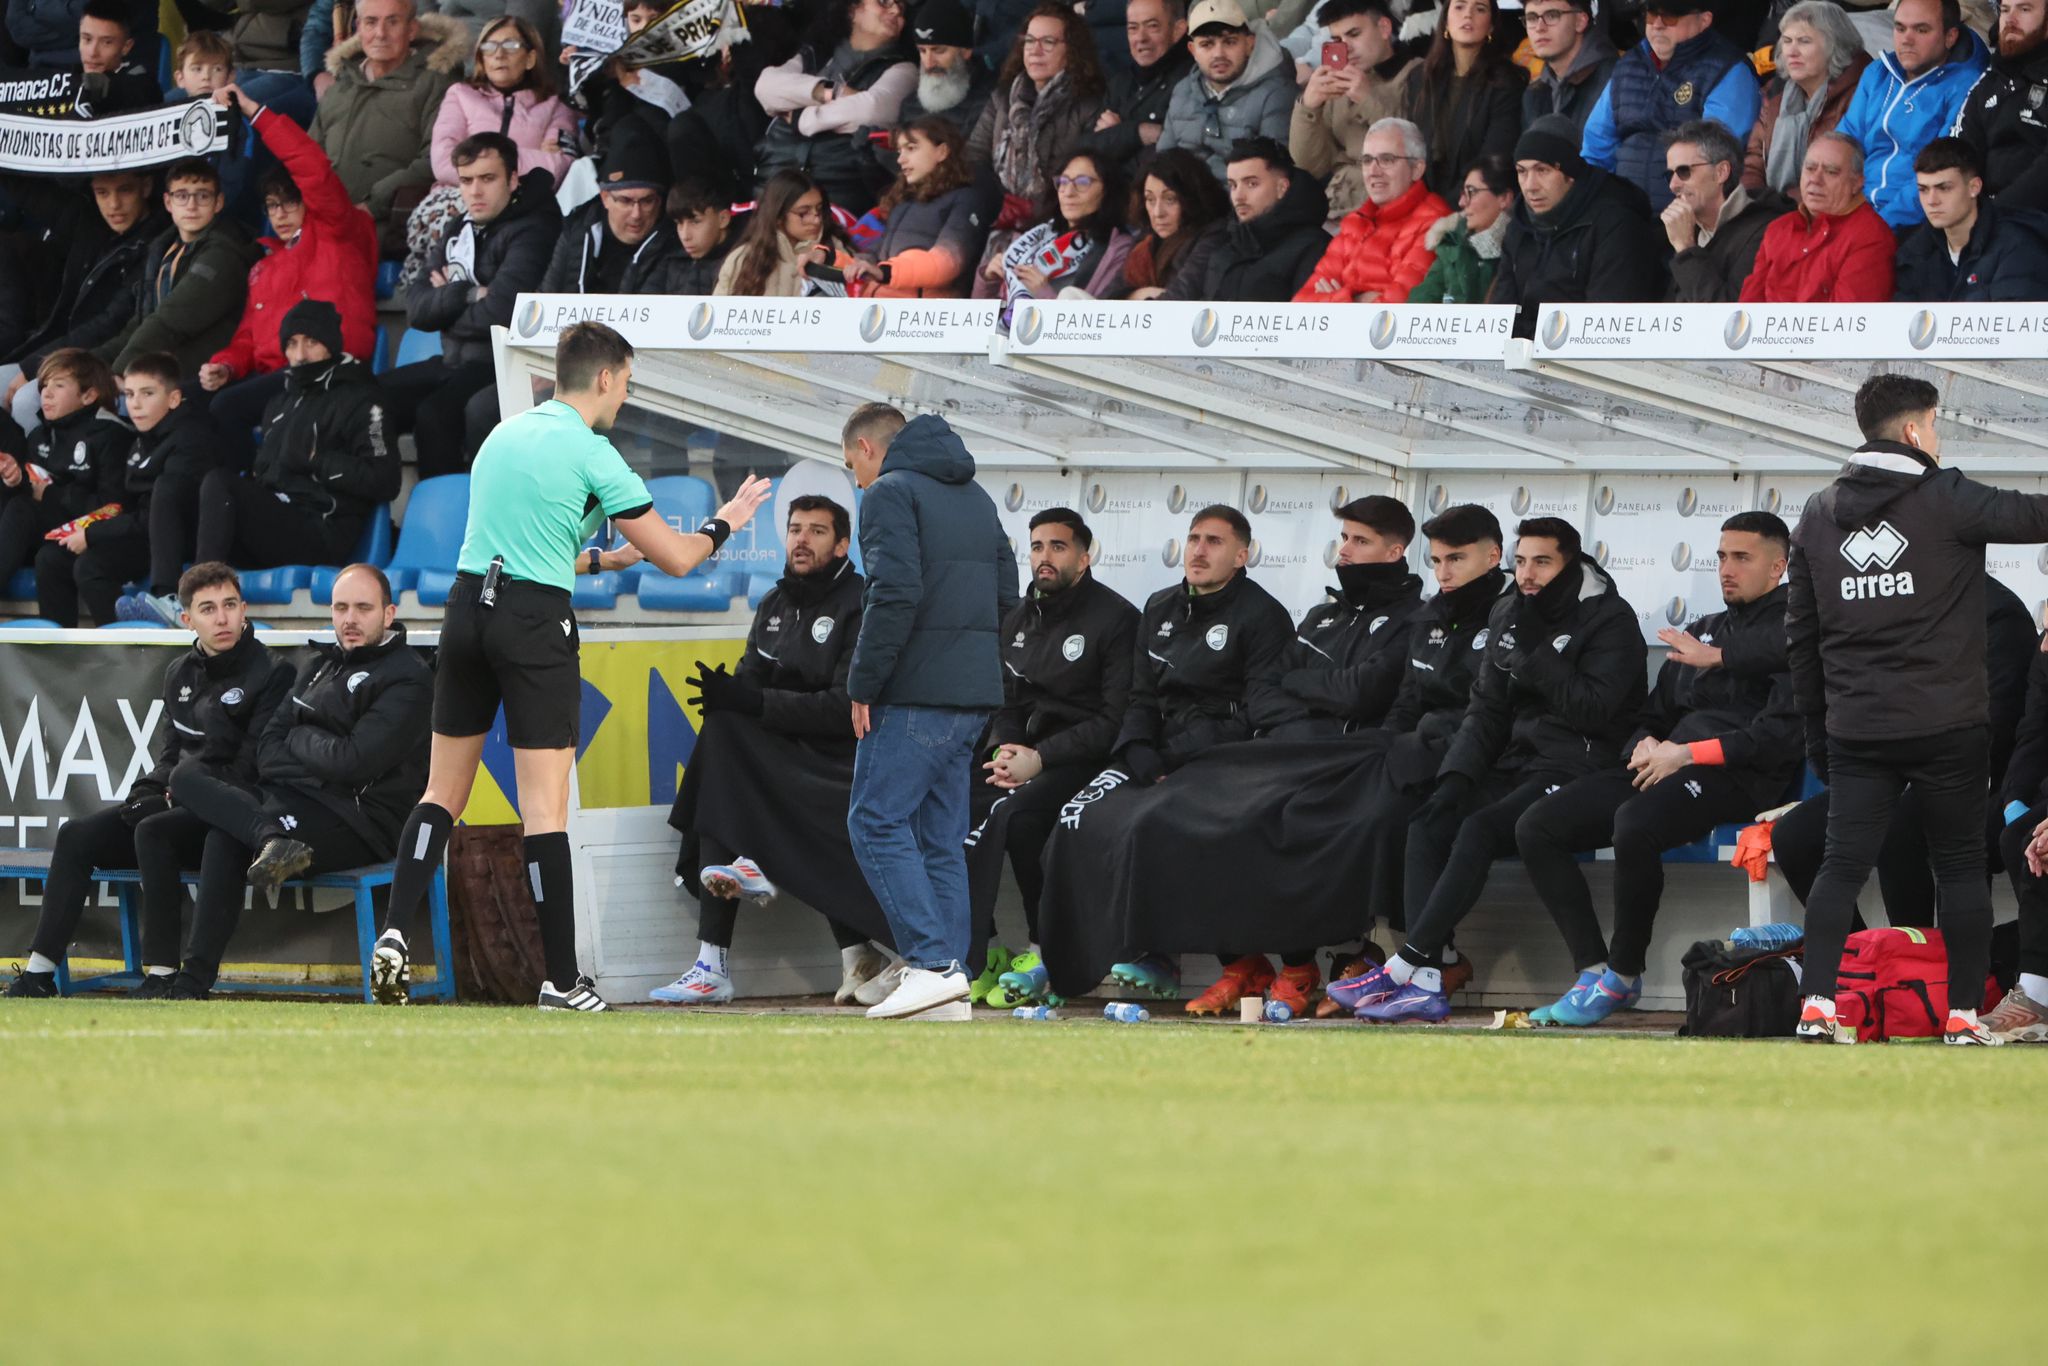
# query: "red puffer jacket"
{"type": "Point", "coordinates": [1378, 250]}
{"type": "Point", "coordinates": [335, 259]}
{"type": "Point", "coordinates": [1824, 258]}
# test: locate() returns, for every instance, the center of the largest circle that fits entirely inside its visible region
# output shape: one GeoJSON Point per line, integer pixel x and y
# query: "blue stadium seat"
{"type": "Point", "coordinates": [430, 542]}
{"type": "Point", "coordinates": [165, 74]}
{"type": "Point", "coordinates": [374, 547]}
{"type": "Point", "coordinates": [29, 624]}
{"type": "Point", "coordinates": [415, 346]}
{"type": "Point", "coordinates": [596, 592]}
{"type": "Point", "coordinates": [22, 587]}
{"type": "Point", "coordinates": [387, 279]}
{"type": "Point", "coordinates": [380, 358]}
{"type": "Point", "coordinates": [683, 501]}
{"type": "Point", "coordinates": [275, 585]}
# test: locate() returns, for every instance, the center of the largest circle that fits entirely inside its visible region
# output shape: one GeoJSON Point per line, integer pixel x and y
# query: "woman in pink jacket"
{"type": "Point", "coordinates": [510, 93]}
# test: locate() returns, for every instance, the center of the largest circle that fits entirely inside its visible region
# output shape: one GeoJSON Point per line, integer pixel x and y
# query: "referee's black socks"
{"type": "Point", "coordinates": [553, 875]}
{"type": "Point", "coordinates": [420, 846]}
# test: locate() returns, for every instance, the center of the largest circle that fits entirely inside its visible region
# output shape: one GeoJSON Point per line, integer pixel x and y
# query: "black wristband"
{"type": "Point", "coordinates": [717, 530]}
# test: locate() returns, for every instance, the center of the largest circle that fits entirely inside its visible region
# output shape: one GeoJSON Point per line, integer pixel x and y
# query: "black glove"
{"type": "Point", "coordinates": [1142, 763]}
{"type": "Point", "coordinates": [142, 805]}
{"type": "Point", "coordinates": [1450, 794]}
{"type": "Point", "coordinates": [1817, 749]}
{"type": "Point", "coordinates": [720, 691]}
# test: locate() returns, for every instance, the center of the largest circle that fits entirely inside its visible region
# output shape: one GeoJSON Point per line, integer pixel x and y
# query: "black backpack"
{"type": "Point", "coordinates": [1736, 993]}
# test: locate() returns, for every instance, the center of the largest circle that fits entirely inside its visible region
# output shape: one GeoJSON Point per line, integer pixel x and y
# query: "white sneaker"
{"type": "Point", "coordinates": [871, 964]}
{"type": "Point", "coordinates": [877, 988]}
{"type": "Point", "coordinates": [921, 990]}
{"type": "Point", "coordinates": [700, 986]}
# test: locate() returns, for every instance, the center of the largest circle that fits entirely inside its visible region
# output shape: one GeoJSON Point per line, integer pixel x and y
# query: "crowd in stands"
{"type": "Point", "coordinates": [1367, 151]}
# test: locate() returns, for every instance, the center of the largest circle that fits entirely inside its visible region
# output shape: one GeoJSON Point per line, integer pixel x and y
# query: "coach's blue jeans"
{"type": "Point", "coordinates": [908, 821]}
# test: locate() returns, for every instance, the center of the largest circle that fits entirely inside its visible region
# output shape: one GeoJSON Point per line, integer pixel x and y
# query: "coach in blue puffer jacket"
{"type": "Point", "coordinates": [1683, 70]}
{"type": "Point", "coordinates": [1907, 100]}
{"type": "Point", "coordinates": [941, 575]}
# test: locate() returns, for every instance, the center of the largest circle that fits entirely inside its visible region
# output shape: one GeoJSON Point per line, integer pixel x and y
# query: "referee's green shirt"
{"type": "Point", "coordinates": [541, 485]}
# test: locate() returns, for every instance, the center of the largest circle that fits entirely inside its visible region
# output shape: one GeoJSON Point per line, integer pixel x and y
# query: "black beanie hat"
{"type": "Point", "coordinates": [942, 23]}
{"type": "Point", "coordinates": [315, 318]}
{"type": "Point", "coordinates": [1553, 141]}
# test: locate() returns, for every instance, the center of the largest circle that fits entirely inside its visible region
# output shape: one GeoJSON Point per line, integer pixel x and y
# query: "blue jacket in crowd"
{"type": "Point", "coordinates": [1708, 77]}
{"type": "Point", "coordinates": [941, 575]}
{"type": "Point", "coordinates": [1892, 118]}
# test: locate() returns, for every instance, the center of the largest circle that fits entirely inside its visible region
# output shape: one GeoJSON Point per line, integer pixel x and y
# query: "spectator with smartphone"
{"type": "Point", "coordinates": [1362, 80]}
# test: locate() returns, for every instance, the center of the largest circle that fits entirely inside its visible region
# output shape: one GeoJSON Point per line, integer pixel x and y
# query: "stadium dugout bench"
{"type": "Point", "coordinates": [33, 865]}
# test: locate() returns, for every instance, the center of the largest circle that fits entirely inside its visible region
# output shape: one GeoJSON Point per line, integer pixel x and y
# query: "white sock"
{"type": "Point", "coordinates": [161, 972]}
{"type": "Point", "coordinates": [1400, 970]}
{"type": "Point", "coordinates": [1032, 949]}
{"type": "Point", "coordinates": [38, 963]}
{"type": "Point", "coordinates": [1969, 1015]}
{"type": "Point", "coordinates": [1600, 968]}
{"type": "Point", "coordinates": [394, 936]}
{"type": "Point", "coordinates": [711, 956]}
{"type": "Point", "coordinates": [2035, 986]}
{"type": "Point", "coordinates": [1427, 979]}
{"type": "Point", "coordinates": [849, 957]}
{"type": "Point", "coordinates": [1826, 1004]}
{"type": "Point", "coordinates": [1450, 956]}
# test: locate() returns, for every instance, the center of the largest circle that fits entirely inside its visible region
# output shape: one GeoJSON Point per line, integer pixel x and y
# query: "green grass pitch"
{"type": "Point", "coordinates": [248, 1182]}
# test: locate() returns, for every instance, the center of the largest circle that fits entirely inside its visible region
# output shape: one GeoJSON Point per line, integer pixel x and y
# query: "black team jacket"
{"type": "Point", "coordinates": [354, 734]}
{"type": "Point", "coordinates": [1561, 682]}
{"type": "Point", "coordinates": [1345, 663]}
{"type": "Point", "coordinates": [1201, 660]}
{"type": "Point", "coordinates": [1066, 672]}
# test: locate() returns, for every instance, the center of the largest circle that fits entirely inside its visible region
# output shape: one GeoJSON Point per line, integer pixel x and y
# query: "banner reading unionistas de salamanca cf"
{"type": "Point", "coordinates": [118, 142]}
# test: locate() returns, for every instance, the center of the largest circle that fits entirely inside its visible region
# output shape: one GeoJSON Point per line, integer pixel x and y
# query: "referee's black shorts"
{"type": "Point", "coordinates": [521, 652]}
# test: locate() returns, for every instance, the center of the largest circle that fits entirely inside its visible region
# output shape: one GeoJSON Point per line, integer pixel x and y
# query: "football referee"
{"type": "Point", "coordinates": [542, 484]}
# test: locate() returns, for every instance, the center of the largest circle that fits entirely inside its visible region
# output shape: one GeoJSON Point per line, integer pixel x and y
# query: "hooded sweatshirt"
{"type": "Point", "coordinates": [1885, 620]}
{"type": "Point", "coordinates": [940, 573]}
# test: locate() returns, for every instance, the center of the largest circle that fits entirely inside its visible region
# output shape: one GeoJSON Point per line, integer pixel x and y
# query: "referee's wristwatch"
{"type": "Point", "coordinates": [595, 560]}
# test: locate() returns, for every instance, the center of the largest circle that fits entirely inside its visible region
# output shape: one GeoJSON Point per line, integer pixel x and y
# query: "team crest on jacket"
{"type": "Point", "coordinates": [1479, 640]}
{"type": "Point", "coordinates": [1559, 644]}
{"type": "Point", "coordinates": [1377, 622]}
{"type": "Point", "coordinates": [356, 679]}
{"type": "Point", "coordinates": [1071, 647]}
{"type": "Point", "coordinates": [79, 458]}
{"type": "Point", "coordinates": [1018, 643]}
{"type": "Point", "coordinates": [1683, 94]}
{"type": "Point", "coordinates": [230, 697]}
{"type": "Point", "coordinates": [821, 630]}
{"type": "Point", "coordinates": [1218, 634]}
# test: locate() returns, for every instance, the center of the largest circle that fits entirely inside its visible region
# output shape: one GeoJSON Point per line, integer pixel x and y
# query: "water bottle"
{"type": "Point", "coordinates": [1034, 1013]}
{"type": "Point", "coordinates": [1781, 935]}
{"type": "Point", "coordinates": [1123, 1012]}
{"type": "Point", "coordinates": [1278, 1012]}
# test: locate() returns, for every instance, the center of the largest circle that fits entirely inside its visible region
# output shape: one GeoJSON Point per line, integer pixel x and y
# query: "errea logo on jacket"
{"type": "Point", "coordinates": [1870, 549]}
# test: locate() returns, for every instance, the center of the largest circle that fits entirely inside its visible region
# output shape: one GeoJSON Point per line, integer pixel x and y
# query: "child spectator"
{"type": "Point", "coordinates": [171, 446]}
{"type": "Point", "coordinates": [930, 239]}
{"type": "Point", "coordinates": [202, 64]}
{"type": "Point", "coordinates": [194, 280]}
{"type": "Point", "coordinates": [785, 234]}
{"type": "Point", "coordinates": [69, 465]}
{"type": "Point", "coordinates": [265, 43]}
{"type": "Point", "coordinates": [703, 223]}
{"type": "Point", "coordinates": [1187, 216]}
{"type": "Point", "coordinates": [1080, 248]}
{"type": "Point", "coordinates": [325, 247]}
{"type": "Point", "coordinates": [510, 92]}
{"type": "Point", "coordinates": [324, 465]}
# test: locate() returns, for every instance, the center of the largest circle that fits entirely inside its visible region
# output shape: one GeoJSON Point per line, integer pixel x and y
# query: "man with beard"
{"type": "Point", "coordinates": [1213, 650]}
{"type": "Point", "coordinates": [949, 80]}
{"type": "Point", "coordinates": [1339, 674]}
{"type": "Point", "coordinates": [2003, 117]}
{"type": "Point", "coordinates": [1719, 741]}
{"type": "Point", "coordinates": [1126, 132]}
{"type": "Point", "coordinates": [1067, 650]}
{"type": "Point", "coordinates": [338, 766]}
{"type": "Point", "coordinates": [1560, 685]}
{"type": "Point", "coordinates": [773, 766]}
